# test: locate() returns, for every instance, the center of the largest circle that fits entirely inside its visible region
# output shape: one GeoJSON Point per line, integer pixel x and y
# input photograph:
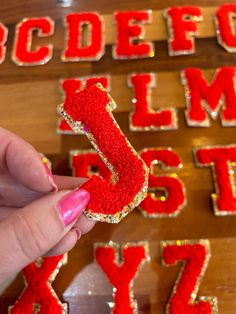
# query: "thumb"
{"type": "Point", "coordinates": [32, 231]}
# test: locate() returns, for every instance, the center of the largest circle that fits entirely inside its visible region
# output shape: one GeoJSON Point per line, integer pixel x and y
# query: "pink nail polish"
{"type": "Point", "coordinates": [73, 204]}
{"type": "Point", "coordinates": [51, 178]}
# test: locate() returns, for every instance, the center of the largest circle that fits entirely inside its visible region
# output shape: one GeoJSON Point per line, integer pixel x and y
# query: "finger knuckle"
{"type": "Point", "coordinates": [29, 237]}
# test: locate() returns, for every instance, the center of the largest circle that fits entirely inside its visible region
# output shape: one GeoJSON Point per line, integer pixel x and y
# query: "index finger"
{"type": "Point", "coordinates": [68, 183]}
{"type": "Point", "coordinates": [23, 162]}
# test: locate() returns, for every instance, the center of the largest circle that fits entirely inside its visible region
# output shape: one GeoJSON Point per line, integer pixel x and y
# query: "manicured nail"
{"type": "Point", "coordinates": [73, 204]}
{"type": "Point", "coordinates": [51, 178]}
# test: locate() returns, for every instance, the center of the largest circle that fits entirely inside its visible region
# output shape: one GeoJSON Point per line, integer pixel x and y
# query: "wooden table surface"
{"type": "Point", "coordinates": [28, 100]}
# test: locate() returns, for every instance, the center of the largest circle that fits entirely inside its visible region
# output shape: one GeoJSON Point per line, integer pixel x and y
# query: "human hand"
{"type": "Point", "coordinates": [34, 220]}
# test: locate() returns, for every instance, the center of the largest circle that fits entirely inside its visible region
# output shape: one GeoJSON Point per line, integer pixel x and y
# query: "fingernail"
{"type": "Point", "coordinates": [51, 178]}
{"type": "Point", "coordinates": [77, 231]}
{"type": "Point", "coordinates": [73, 204]}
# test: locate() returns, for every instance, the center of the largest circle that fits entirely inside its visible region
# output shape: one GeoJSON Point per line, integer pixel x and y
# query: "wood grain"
{"type": "Point", "coordinates": [152, 286]}
{"type": "Point", "coordinates": [36, 122]}
{"type": "Point", "coordinates": [12, 11]}
{"type": "Point", "coordinates": [155, 30]}
{"type": "Point", "coordinates": [28, 100]}
{"type": "Point", "coordinates": [209, 55]}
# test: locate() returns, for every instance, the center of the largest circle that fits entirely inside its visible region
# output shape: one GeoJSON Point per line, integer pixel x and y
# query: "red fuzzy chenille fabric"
{"type": "Point", "coordinates": [38, 289]}
{"type": "Point", "coordinates": [63, 127]}
{"type": "Point", "coordinates": [143, 117]}
{"type": "Point", "coordinates": [94, 49]}
{"type": "Point", "coordinates": [179, 27]}
{"type": "Point", "coordinates": [163, 155]}
{"type": "Point", "coordinates": [175, 199]}
{"type": "Point", "coordinates": [226, 28]}
{"type": "Point", "coordinates": [203, 98]}
{"type": "Point", "coordinates": [127, 31]}
{"type": "Point", "coordinates": [91, 108]}
{"type": "Point", "coordinates": [73, 85]}
{"type": "Point", "coordinates": [104, 80]}
{"type": "Point", "coordinates": [195, 256]}
{"type": "Point", "coordinates": [83, 163]}
{"type": "Point", "coordinates": [121, 273]}
{"type": "Point", "coordinates": [220, 158]}
{"type": "Point", "coordinates": [3, 39]}
{"type": "Point", "coordinates": [69, 87]}
{"type": "Point", "coordinates": [23, 55]}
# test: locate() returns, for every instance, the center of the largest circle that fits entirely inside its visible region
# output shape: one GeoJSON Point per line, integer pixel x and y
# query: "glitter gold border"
{"type": "Point", "coordinates": [75, 152]}
{"type": "Point", "coordinates": [119, 248]}
{"type": "Point", "coordinates": [36, 306]}
{"type": "Point", "coordinates": [76, 59]}
{"type": "Point", "coordinates": [215, 195]}
{"type": "Point", "coordinates": [152, 84]}
{"type": "Point", "coordinates": [173, 174]}
{"type": "Point", "coordinates": [3, 43]}
{"type": "Point", "coordinates": [191, 35]}
{"type": "Point", "coordinates": [83, 80]}
{"type": "Point", "coordinates": [141, 37]}
{"type": "Point", "coordinates": [78, 128]}
{"type": "Point", "coordinates": [213, 114]}
{"type": "Point", "coordinates": [206, 243]}
{"type": "Point", "coordinates": [29, 42]}
{"type": "Point", "coordinates": [220, 40]}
